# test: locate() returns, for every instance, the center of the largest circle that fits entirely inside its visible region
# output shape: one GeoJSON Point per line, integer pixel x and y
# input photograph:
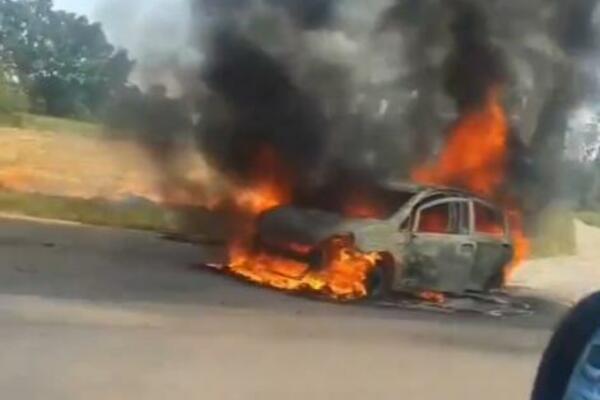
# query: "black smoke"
{"type": "Point", "coordinates": [265, 82]}
{"type": "Point", "coordinates": [475, 65]}
{"type": "Point", "coordinates": [578, 33]}
{"type": "Point", "coordinates": [309, 14]}
{"type": "Point", "coordinates": [264, 108]}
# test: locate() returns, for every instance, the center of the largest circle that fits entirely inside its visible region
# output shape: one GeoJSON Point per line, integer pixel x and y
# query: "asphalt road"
{"type": "Point", "coordinates": [92, 313]}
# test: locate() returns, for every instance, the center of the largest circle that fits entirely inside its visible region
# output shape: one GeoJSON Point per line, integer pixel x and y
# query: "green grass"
{"type": "Point", "coordinates": [555, 235]}
{"type": "Point", "coordinates": [196, 225]}
{"type": "Point", "coordinates": [11, 120]}
{"type": "Point", "coordinates": [590, 218]}
{"type": "Point", "coordinates": [145, 216]}
{"type": "Point", "coordinates": [62, 125]}
{"type": "Point", "coordinates": [46, 123]}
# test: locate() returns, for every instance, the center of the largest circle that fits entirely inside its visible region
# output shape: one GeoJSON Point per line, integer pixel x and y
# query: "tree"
{"type": "Point", "coordinates": [66, 63]}
{"type": "Point", "coordinates": [12, 95]}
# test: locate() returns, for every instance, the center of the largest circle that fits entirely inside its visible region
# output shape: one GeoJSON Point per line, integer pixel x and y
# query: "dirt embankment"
{"type": "Point", "coordinates": [92, 167]}
{"type": "Point", "coordinates": [70, 165]}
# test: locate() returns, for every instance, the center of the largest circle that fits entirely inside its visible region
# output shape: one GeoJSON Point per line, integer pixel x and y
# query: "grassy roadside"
{"type": "Point", "coordinates": [590, 218]}
{"type": "Point", "coordinates": [555, 234]}
{"type": "Point", "coordinates": [144, 216]}
{"type": "Point", "coordinates": [52, 124]}
{"type": "Point", "coordinates": [188, 224]}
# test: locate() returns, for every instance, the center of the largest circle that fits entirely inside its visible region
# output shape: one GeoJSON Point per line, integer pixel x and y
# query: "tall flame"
{"type": "Point", "coordinates": [475, 158]}
{"type": "Point", "coordinates": [475, 154]}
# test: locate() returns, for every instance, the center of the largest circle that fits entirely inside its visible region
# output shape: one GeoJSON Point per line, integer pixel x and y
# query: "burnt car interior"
{"type": "Point", "coordinates": [455, 249]}
{"type": "Point", "coordinates": [356, 198]}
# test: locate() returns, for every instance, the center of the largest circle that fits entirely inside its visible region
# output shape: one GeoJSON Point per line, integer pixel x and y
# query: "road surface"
{"type": "Point", "coordinates": [94, 313]}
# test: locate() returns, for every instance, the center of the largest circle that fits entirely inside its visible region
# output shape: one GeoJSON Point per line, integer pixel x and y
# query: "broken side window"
{"type": "Point", "coordinates": [436, 219]}
{"type": "Point", "coordinates": [488, 220]}
{"type": "Point", "coordinates": [449, 217]}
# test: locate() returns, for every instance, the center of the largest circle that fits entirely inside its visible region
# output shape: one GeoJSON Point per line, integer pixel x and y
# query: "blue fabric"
{"type": "Point", "coordinates": [585, 381]}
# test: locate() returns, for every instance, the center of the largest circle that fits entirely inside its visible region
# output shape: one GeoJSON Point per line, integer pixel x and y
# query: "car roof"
{"type": "Point", "coordinates": [409, 187]}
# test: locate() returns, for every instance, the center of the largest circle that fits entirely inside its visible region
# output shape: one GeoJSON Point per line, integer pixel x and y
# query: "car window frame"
{"type": "Point", "coordinates": [448, 200]}
{"type": "Point", "coordinates": [505, 224]}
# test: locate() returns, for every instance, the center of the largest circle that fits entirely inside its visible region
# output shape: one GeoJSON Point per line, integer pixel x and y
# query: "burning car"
{"type": "Point", "coordinates": [423, 239]}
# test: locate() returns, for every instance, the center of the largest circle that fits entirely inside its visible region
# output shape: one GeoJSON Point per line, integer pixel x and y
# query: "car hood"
{"type": "Point", "coordinates": [307, 226]}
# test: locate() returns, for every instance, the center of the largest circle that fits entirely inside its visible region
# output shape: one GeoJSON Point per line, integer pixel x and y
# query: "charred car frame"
{"type": "Point", "coordinates": [433, 239]}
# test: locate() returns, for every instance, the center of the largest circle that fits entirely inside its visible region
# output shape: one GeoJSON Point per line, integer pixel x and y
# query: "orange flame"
{"type": "Point", "coordinates": [272, 187]}
{"type": "Point", "coordinates": [362, 205]}
{"type": "Point", "coordinates": [433, 297]}
{"type": "Point", "coordinates": [342, 277]}
{"type": "Point", "coordinates": [344, 270]}
{"type": "Point", "coordinates": [521, 244]}
{"type": "Point", "coordinates": [475, 158]}
{"type": "Point", "coordinates": [475, 154]}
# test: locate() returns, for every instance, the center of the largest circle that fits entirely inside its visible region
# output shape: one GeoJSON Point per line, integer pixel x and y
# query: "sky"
{"type": "Point", "coordinates": [85, 7]}
{"type": "Point", "coordinates": [156, 33]}
{"type": "Point", "coordinates": [124, 20]}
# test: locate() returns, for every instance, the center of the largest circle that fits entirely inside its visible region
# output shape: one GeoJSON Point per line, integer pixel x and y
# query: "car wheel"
{"type": "Point", "coordinates": [378, 283]}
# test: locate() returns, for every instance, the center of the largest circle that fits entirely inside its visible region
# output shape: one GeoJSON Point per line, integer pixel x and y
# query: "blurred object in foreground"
{"type": "Point", "coordinates": [570, 368]}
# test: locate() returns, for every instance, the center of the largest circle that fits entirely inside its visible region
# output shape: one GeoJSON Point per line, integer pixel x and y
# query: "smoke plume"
{"type": "Point", "coordinates": [265, 109]}
{"type": "Point", "coordinates": [475, 65]}
{"type": "Point", "coordinates": [332, 86]}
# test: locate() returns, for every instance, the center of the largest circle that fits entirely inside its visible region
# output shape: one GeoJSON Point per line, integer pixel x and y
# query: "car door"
{"type": "Point", "coordinates": [494, 249]}
{"type": "Point", "coordinates": [441, 252]}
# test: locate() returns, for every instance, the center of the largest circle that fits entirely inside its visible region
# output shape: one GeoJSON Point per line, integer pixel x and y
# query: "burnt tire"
{"type": "Point", "coordinates": [379, 283]}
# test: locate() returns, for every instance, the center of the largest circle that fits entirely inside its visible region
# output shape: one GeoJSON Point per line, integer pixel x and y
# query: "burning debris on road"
{"type": "Point", "coordinates": [342, 276]}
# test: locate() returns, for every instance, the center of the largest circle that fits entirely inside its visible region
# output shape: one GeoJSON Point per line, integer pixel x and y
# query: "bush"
{"type": "Point", "coordinates": [12, 120]}
{"type": "Point", "coordinates": [13, 98]}
{"type": "Point", "coordinates": [590, 218]}
{"type": "Point", "coordinates": [555, 234]}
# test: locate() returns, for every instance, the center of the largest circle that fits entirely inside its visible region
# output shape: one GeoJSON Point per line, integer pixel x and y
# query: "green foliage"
{"type": "Point", "coordinates": [12, 95]}
{"type": "Point", "coordinates": [64, 61]}
{"type": "Point", "coordinates": [12, 99]}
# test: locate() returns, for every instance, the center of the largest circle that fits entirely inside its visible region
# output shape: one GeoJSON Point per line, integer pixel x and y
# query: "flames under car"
{"type": "Point", "coordinates": [427, 239]}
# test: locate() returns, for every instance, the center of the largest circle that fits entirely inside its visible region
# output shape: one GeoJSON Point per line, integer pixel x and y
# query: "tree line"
{"type": "Point", "coordinates": [55, 62]}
